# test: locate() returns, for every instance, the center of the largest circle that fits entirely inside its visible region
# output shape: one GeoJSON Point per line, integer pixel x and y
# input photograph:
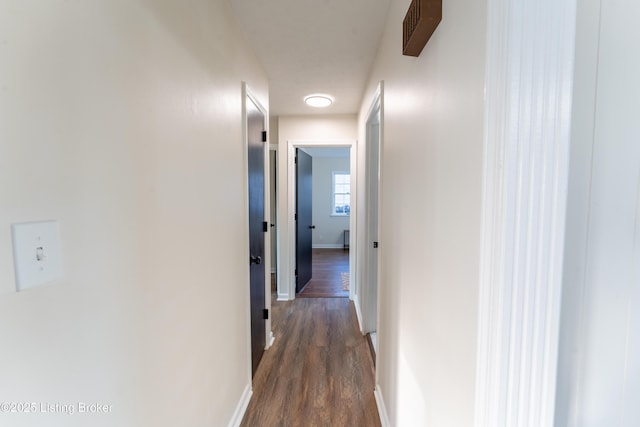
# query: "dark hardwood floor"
{"type": "Point", "coordinates": [327, 269]}
{"type": "Point", "coordinates": [318, 373]}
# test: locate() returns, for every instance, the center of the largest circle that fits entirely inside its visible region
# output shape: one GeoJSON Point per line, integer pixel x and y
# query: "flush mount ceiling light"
{"type": "Point", "coordinates": [318, 100]}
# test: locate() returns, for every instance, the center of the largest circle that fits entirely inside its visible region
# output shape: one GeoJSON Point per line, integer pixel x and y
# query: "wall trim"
{"type": "Point", "coordinates": [274, 147]}
{"type": "Point", "coordinates": [529, 79]}
{"type": "Point", "coordinates": [271, 338]}
{"type": "Point", "coordinates": [241, 407]}
{"type": "Point", "coordinates": [356, 305]}
{"type": "Point", "coordinates": [382, 409]}
{"type": "Point", "coordinates": [369, 289]}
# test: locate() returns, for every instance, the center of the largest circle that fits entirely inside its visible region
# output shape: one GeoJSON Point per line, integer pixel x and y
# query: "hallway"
{"type": "Point", "coordinates": [508, 180]}
{"type": "Point", "coordinates": [319, 371]}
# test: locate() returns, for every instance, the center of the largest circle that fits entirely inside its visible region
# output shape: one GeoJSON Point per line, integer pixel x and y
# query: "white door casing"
{"type": "Point", "coordinates": [529, 79]}
{"type": "Point", "coordinates": [368, 290]}
{"type": "Point", "coordinates": [286, 265]}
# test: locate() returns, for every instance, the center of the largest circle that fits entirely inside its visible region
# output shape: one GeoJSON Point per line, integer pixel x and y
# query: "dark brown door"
{"type": "Point", "coordinates": [304, 219]}
{"type": "Point", "coordinates": [256, 138]}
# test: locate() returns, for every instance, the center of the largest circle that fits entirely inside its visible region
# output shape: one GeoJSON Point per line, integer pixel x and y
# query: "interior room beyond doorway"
{"type": "Point", "coordinates": [328, 192]}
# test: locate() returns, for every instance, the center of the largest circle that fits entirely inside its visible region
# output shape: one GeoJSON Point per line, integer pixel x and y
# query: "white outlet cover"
{"type": "Point", "coordinates": [36, 253]}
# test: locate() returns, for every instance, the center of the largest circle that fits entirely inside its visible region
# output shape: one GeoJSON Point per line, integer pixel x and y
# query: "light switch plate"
{"type": "Point", "coordinates": [36, 253]}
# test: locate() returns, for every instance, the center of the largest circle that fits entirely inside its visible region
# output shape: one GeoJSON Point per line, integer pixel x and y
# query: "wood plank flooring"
{"type": "Point", "coordinates": [327, 268]}
{"type": "Point", "coordinates": [318, 373]}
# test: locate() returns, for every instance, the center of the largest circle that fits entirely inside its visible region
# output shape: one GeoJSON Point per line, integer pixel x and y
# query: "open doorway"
{"type": "Point", "coordinates": [323, 207]}
{"type": "Point", "coordinates": [287, 223]}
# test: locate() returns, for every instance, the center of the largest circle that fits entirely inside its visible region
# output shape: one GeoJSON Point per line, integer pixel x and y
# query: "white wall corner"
{"type": "Point", "coordinates": [241, 407]}
{"type": "Point", "coordinates": [529, 79]}
{"type": "Point", "coordinates": [382, 409]}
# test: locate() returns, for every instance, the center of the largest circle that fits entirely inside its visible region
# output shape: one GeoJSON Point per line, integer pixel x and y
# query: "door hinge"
{"type": "Point", "coordinates": [264, 136]}
{"type": "Point", "coordinates": [295, 273]}
{"type": "Point", "coordinates": [295, 160]}
{"type": "Point", "coordinates": [265, 314]}
{"type": "Point", "coordinates": [295, 217]}
{"type": "Point", "coordinates": [265, 226]}
{"type": "Point", "coordinates": [375, 245]}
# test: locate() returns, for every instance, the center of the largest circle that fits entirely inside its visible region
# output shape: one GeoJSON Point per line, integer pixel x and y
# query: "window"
{"type": "Point", "coordinates": [341, 203]}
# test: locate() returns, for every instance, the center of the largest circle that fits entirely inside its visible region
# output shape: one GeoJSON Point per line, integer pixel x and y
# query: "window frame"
{"type": "Point", "coordinates": [334, 193]}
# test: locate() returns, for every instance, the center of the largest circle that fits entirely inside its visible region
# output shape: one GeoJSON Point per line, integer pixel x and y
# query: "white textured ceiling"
{"type": "Point", "coordinates": [313, 46]}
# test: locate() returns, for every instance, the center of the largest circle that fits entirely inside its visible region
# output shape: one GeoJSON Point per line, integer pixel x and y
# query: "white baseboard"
{"type": "Point", "coordinates": [382, 410]}
{"type": "Point", "coordinates": [241, 408]}
{"type": "Point", "coordinates": [270, 340]}
{"type": "Point", "coordinates": [356, 304]}
{"type": "Point", "coordinates": [328, 246]}
{"type": "Point", "coordinates": [283, 297]}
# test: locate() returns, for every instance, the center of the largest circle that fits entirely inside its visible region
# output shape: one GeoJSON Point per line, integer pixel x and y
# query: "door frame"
{"type": "Point", "coordinates": [248, 94]}
{"type": "Point", "coordinates": [528, 98]}
{"type": "Point", "coordinates": [368, 307]}
{"type": "Point", "coordinates": [274, 148]}
{"type": "Point", "coordinates": [286, 278]}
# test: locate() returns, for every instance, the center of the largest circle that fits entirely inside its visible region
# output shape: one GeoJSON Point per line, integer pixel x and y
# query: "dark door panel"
{"type": "Point", "coordinates": [255, 125]}
{"type": "Point", "coordinates": [304, 222]}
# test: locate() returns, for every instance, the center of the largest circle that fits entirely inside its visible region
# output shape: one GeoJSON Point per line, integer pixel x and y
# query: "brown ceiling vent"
{"type": "Point", "coordinates": [419, 23]}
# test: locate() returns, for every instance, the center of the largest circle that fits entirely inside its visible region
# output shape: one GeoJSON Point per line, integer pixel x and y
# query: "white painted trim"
{"type": "Point", "coordinates": [356, 305]}
{"type": "Point", "coordinates": [382, 409]}
{"type": "Point", "coordinates": [271, 338]}
{"type": "Point", "coordinates": [371, 303]}
{"type": "Point", "coordinates": [353, 219]}
{"type": "Point", "coordinates": [245, 167]}
{"type": "Point", "coordinates": [529, 78]}
{"type": "Point", "coordinates": [328, 246]}
{"type": "Point", "coordinates": [274, 147]}
{"type": "Point", "coordinates": [286, 283]}
{"type": "Point", "coordinates": [241, 407]}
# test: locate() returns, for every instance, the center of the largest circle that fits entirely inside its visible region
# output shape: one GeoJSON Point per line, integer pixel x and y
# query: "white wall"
{"type": "Point", "coordinates": [329, 230]}
{"type": "Point", "coordinates": [430, 216]}
{"type": "Point", "coordinates": [122, 120]}
{"type": "Point", "coordinates": [599, 365]}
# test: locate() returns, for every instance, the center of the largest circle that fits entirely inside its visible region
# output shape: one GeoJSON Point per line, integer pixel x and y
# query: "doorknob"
{"type": "Point", "coordinates": [273, 225]}
{"type": "Point", "coordinates": [313, 227]}
{"type": "Point", "coordinates": [256, 260]}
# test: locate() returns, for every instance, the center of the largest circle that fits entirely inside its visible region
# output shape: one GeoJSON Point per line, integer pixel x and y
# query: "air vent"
{"type": "Point", "coordinates": [419, 24]}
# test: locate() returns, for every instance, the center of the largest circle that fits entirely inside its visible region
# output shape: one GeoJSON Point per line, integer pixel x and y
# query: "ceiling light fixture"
{"type": "Point", "coordinates": [318, 100]}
